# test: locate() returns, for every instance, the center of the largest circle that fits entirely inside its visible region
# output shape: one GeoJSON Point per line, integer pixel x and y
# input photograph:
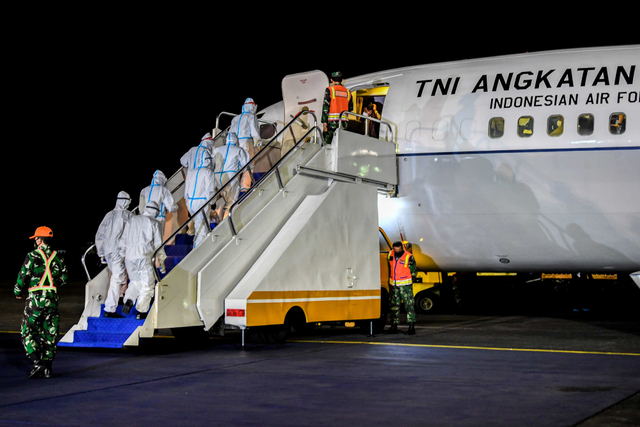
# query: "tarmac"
{"type": "Point", "coordinates": [481, 368]}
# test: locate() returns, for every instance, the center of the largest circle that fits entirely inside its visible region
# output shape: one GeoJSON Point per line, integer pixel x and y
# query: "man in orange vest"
{"type": "Point", "coordinates": [42, 273]}
{"type": "Point", "coordinates": [402, 272]}
{"type": "Point", "coordinates": [337, 99]}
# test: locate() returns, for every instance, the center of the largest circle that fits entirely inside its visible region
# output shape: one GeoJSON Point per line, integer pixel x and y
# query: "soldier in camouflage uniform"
{"type": "Point", "coordinates": [337, 99]}
{"type": "Point", "coordinates": [403, 271]}
{"type": "Point", "coordinates": [41, 274]}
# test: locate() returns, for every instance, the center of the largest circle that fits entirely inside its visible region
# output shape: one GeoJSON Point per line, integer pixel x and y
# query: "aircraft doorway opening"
{"type": "Point", "coordinates": [369, 101]}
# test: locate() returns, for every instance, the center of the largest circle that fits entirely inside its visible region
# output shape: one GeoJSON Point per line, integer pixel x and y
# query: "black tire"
{"type": "Point", "coordinates": [298, 320]}
{"type": "Point", "coordinates": [275, 335]}
{"type": "Point", "coordinates": [278, 334]}
{"type": "Point", "coordinates": [427, 302]}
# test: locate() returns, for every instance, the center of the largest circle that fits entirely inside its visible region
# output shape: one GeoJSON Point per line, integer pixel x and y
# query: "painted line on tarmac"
{"type": "Point", "coordinates": [464, 347]}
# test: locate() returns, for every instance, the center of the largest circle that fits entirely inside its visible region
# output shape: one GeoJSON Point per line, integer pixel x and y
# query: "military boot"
{"type": "Point", "coordinates": [48, 371]}
{"type": "Point", "coordinates": [412, 329]}
{"type": "Point", "coordinates": [392, 330]}
{"type": "Point", "coordinates": [38, 370]}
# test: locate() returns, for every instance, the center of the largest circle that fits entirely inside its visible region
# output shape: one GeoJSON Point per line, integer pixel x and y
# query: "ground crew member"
{"type": "Point", "coordinates": [107, 238]}
{"type": "Point", "coordinates": [42, 273]}
{"type": "Point", "coordinates": [140, 239]}
{"type": "Point", "coordinates": [402, 267]}
{"type": "Point", "coordinates": [337, 99]}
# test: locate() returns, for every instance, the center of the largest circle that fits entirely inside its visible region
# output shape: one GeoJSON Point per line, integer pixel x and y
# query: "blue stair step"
{"type": "Point", "coordinates": [184, 239]}
{"type": "Point", "coordinates": [99, 339]}
{"type": "Point", "coordinates": [108, 325]}
{"type": "Point", "coordinates": [171, 262]}
{"type": "Point", "coordinates": [106, 332]}
{"type": "Point", "coordinates": [177, 250]}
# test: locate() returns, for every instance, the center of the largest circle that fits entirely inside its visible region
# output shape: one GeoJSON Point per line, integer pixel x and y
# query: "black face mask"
{"type": "Point", "coordinates": [398, 254]}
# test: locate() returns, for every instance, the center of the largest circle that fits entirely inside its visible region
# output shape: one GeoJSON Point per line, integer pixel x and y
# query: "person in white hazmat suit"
{"type": "Point", "coordinates": [247, 128]}
{"type": "Point", "coordinates": [107, 240]}
{"type": "Point", "coordinates": [160, 194]}
{"type": "Point", "coordinates": [192, 159]}
{"type": "Point", "coordinates": [229, 159]}
{"type": "Point", "coordinates": [200, 187]}
{"type": "Point", "coordinates": [140, 239]}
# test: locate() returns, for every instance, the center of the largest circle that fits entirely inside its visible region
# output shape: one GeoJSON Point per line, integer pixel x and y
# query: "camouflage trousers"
{"type": "Point", "coordinates": [331, 129]}
{"type": "Point", "coordinates": [39, 330]}
{"type": "Point", "coordinates": [397, 294]}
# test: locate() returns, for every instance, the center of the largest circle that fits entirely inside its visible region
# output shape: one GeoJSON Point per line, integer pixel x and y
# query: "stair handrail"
{"type": "Point", "coordinates": [225, 113]}
{"type": "Point", "coordinates": [367, 120]}
{"type": "Point", "coordinates": [273, 169]}
{"type": "Point", "coordinates": [238, 175]}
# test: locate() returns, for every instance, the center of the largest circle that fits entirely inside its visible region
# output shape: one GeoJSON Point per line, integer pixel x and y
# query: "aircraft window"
{"type": "Point", "coordinates": [617, 123]}
{"type": "Point", "coordinates": [496, 127]}
{"type": "Point", "coordinates": [525, 126]}
{"type": "Point", "coordinates": [585, 124]}
{"type": "Point", "coordinates": [440, 130]}
{"type": "Point", "coordinates": [555, 125]}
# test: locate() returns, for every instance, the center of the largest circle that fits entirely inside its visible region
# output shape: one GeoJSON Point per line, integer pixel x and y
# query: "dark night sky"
{"type": "Point", "coordinates": [98, 104]}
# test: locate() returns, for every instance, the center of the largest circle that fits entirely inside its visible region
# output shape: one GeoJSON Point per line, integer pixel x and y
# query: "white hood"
{"type": "Point", "coordinates": [232, 138]}
{"type": "Point", "coordinates": [249, 106]}
{"type": "Point", "coordinates": [159, 178]}
{"type": "Point", "coordinates": [207, 141]}
{"type": "Point", "coordinates": [123, 201]}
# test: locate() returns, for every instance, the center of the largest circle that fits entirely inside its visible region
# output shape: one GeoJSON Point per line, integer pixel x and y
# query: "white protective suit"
{"type": "Point", "coordinates": [140, 239]}
{"type": "Point", "coordinates": [200, 186]}
{"type": "Point", "coordinates": [229, 159]}
{"type": "Point", "coordinates": [107, 240]}
{"type": "Point", "coordinates": [192, 159]}
{"type": "Point", "coordinates": [247, 128]}
{"type": "Point", "coordinates": [160, 194]}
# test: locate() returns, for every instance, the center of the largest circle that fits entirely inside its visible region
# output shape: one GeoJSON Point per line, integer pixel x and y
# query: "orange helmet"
{"type": "Point", "coordinates": [42, 232]}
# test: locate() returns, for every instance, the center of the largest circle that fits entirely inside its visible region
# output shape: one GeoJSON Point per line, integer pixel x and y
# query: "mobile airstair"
{"type": "Point", "coordinates": [301, 246]}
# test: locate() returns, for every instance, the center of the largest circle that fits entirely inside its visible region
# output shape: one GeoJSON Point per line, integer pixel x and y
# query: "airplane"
{"type": "Point", "coordinates": [519, 163]}
{"type": "Point", "coordinates": [522, 163]}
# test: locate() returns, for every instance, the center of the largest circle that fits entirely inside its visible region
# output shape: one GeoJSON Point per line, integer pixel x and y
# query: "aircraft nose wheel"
{"type": "Point", "coordinates": [426, 303]}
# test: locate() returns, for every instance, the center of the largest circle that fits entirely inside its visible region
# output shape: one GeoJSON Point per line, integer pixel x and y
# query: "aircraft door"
{"type": "Point", "coordinates": [368, 100]}
{"type": "Point", "coordinates": [300, 91]}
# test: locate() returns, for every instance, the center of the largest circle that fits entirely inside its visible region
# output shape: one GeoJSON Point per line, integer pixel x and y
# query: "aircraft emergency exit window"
{"type": "Point", "coordinates": [525, 126]}
{"type": "Point", "coordinates": [617, 123]}
{"type": "Point", "coordinates": [585, 124]}
{"type": "Point", "coordinates": [555, 125]}
{"type": "Point", "coordinates": [496, 127]}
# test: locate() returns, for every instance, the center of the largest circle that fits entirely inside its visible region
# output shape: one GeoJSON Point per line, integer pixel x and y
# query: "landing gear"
{"type": "Point", "coordinates": [427, 302]}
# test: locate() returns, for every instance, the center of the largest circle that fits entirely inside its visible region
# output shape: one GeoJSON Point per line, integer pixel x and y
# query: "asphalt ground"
{"type": "Point", "coordinates": [482, 367]}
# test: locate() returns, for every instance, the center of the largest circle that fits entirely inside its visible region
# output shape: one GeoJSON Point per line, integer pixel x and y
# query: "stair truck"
{"type": "Point", "coordinates": [298, 248]}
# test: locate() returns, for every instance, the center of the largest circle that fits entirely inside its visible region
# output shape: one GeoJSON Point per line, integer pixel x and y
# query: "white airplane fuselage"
{"type": "Point", "coordinates": [471, 201]}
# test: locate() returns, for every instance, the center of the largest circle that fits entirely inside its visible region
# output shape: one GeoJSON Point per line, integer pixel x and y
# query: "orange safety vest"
{"type": "Point", "coordinates": [46, 276]}
{"type": "Point", "coordinates": [340, 97]}
{"type": "Point", "coordinates": [400, 271]}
